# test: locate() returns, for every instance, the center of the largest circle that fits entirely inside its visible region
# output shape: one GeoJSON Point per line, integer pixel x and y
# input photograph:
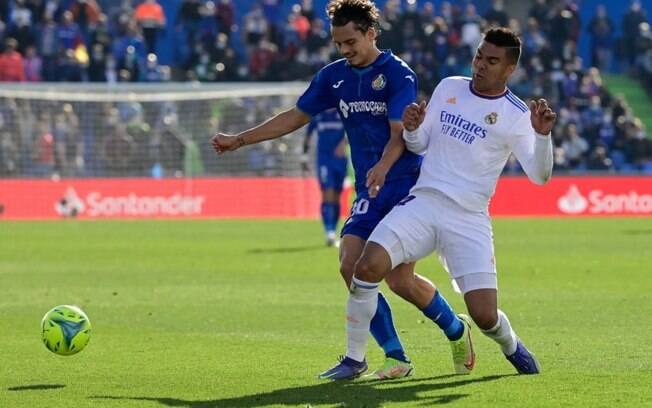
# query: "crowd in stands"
{"type": "Point", "coordinates": [111, 41]}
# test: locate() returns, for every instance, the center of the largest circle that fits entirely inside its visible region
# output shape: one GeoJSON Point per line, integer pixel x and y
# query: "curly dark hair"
{"type": "Point", "coordinates": [363, 13]}
{"type": "Point", "coordinates": [505, 38]}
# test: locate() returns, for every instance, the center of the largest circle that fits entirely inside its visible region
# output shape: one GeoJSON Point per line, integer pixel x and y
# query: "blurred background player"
{"type": "Point", "coordinates": [331, 168]}
{"type": "Point", "coordinates": [371, 89]}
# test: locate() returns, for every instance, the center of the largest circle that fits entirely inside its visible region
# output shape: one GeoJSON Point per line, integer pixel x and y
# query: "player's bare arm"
{"type": "Point", "coordinates": [393, 150]}
{"type": "Point", "coordinates": [279, 125]}
{"type": "Point", "coordinates": [542, 116]}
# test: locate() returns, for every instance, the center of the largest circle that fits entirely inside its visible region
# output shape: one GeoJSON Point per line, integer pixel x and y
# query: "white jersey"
{"type": "Point", "coordinates": [467, 139]}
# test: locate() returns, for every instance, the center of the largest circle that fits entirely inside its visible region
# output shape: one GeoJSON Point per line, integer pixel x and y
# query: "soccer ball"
{"type": "Point", "coordinates": [65, 330]}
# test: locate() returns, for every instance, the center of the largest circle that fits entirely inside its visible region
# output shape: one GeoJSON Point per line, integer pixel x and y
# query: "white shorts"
{"type": "Point", "coordinates": [431, 221]}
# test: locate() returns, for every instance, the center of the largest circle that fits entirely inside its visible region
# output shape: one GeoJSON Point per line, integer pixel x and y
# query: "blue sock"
{"type": "Point", "coordinates": [324, 215]}
{"type": "Point", "coordinates": [440, 312]}
{"type": "Point", "coordinates": [329, 215]}
{"type": "Point", "coordinates": [383, 330]}
{"type": "Point", "coordinates": [336, 215]}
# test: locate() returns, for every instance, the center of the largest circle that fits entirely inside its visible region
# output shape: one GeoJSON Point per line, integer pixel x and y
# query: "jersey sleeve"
{"type": "Point", "coordinates": [317, 97]}
{"type": "Point", "coordinates": [532, 150]}
{"type": "Point", "coordinates": [403, 91]}
{"type": "Point", "coordinates": [418, 140]}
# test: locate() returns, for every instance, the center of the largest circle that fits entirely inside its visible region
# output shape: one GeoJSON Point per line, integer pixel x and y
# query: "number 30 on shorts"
{"type": "Point", "coordinates": [360, 206]}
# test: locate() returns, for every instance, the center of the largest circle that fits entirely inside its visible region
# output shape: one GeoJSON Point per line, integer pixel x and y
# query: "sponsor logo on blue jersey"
{"type": "Point", "coordinates": [376, 108]}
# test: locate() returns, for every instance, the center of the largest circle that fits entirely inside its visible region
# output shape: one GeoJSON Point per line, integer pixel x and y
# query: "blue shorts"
{"type": "Point", "coordinates": [331, 173]}
{"type": "Point", "coordinates": [367, 212]}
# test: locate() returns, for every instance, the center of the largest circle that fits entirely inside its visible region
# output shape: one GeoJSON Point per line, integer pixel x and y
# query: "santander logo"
{"type": "Point", "coordinates": [573, 202]}
{"type": "Point", "coordinates": [94, 204]}
{"type": "Point", "coordinates": [599, 202]}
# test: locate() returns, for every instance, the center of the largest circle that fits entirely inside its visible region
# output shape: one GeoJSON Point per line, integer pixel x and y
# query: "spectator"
{"type": "Point", "coordinates": [22, 30]}
{"type": "Point", "coordinates": [540, 11]}
{"type": "Point", "coordinates": [44, 149]}
{"type": "Point", "coordinates": [11, 63]}
{"type": "Point", "coordinates": [601, 31]}
{"type": "Point", "coordinates": [599, 161]}
{"type": "Point", "coordinates": [9, 154]}
{"type": "Point", "coordinates": [68, 34]}
{"type": "Point", "coordinates": [48, 48]}
{"type": "Point", "coordinates": [33, 64]}
{"type": "Point", "coordinates": [151, 18]}
{"type": "Point", "coordinates": [574, 146]}
{"type": "Point", "coordinates": [496, 15]}
{"type": "Point", "coordinates": [85, 13]}
{"type": "Point", "coordinates": [630, 26]}
{"type": "Point", "coordinates": [225, 16]}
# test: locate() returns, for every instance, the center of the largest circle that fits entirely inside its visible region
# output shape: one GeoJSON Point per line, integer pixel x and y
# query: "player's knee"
{"type": "Point", "coordinates": [367, 270]}
{"type": "Point", "coordinates": [485, 319]}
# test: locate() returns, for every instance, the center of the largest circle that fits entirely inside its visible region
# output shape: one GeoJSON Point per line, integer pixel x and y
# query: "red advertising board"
{"type": "Point", "coordinates": [293, 198]}
{"type": "Point", "coordinates": [574, 196]}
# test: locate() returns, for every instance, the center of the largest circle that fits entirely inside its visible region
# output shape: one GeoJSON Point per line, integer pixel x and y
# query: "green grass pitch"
{"type": "Point", "coordinates": [246, 313]}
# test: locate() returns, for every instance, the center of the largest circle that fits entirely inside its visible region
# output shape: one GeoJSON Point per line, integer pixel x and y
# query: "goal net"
{"type": "Point", "coordinates": [141, 130]}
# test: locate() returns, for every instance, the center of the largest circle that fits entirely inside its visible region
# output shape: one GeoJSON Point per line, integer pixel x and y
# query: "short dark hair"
{"type": "Point", "coordinates": [505, 38]}
{"type": "Point", "coordinates": [363, 13]}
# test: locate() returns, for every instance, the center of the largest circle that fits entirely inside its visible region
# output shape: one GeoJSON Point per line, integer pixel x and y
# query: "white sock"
{"type": "Point", "coordinates": [363, 301]}
{"type": "Point", "coordinates": [503, 334]}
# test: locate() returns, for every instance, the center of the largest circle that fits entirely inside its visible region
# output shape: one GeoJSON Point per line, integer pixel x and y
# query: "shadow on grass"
{"type": "Point", "coordinates": [34, 387]}
{"type": "Point", "coordinates": [638, 232]}
{"type": "Point", "coordinates": [368, 394]}
{"type": "Point", "coordinates": [307, 248]}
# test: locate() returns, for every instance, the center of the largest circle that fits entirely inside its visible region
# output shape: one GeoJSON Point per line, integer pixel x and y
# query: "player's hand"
{"type": "Point", "coordinates": [413, 115]}
{"type": "Point", "coordinates": [542, 117]}
{"type": "Point", "coordinates": [375, 179]}
{"type": "Point", "coordinates": [226, 143]}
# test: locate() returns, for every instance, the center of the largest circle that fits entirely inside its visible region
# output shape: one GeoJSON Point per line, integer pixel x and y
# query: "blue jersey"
{"type": "Point", "coordinates": [331, 157]}
{"type": "Point", "coordinates": [367, 99]}
{"type": "Point", "coordinates": [330, 133]}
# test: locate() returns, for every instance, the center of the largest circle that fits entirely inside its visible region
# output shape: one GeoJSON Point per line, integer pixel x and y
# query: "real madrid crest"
{"type": "Point", "coordinates": [379, 82]}
{"type": "Point", "coordinates": [491, 118]}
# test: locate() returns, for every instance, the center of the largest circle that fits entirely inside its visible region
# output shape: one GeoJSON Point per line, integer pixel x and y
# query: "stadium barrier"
{"type": "Point", "coordinates": [292, 197]}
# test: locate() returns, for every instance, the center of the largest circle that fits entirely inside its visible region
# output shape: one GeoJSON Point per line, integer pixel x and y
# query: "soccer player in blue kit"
{"type": "Point", "coordinates": [370, 88]}
{"type": "Point", "coordinates": [331, 166]}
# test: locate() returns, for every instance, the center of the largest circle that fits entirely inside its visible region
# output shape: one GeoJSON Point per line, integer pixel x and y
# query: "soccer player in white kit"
{"type": "Point", "coordinates": [467, 131]}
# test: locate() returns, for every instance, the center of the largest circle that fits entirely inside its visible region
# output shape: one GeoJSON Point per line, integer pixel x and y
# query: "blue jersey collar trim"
{"type": "Point", "coordinates": [383, 57]}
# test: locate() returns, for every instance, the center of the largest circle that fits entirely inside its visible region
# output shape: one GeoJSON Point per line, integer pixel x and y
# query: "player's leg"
{"type": "Point", "coordinates": [467, 253]}
{"type": "Point", "coordinates": [423, 294]}
{"type": "Point", "coordinates": [483, 308]}
{"type": "Point", "coordinates": [382, 324]}
{"type": "Point", "coordinates": [412, 235]}
{"type": "Point", "coordinates": [330, 213]}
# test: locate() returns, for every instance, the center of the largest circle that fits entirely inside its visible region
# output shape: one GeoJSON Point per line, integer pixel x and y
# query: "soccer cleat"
{"type": "Point", "coordinates": [523, 360]}
{"type": "Point", "coordinates": [462, 348]}
{"type": "Point", "coordinates": [331, 239]}
{"type": "Point", "coordinates": [392, 368]}
{"type": "Point", "coordinates": [346, 369]}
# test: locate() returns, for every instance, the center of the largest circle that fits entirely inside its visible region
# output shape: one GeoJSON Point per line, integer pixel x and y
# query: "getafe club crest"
{"type": "Point", "coordinates": [491, 118]}
{"type": "Point", "coordinates": [379, 82]}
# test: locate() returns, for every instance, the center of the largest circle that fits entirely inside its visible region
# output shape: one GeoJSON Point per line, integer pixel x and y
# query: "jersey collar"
{"type": "Point", "coordinates": [381, 59]}
{"type": "Point", "coordinates": [479, 95]}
